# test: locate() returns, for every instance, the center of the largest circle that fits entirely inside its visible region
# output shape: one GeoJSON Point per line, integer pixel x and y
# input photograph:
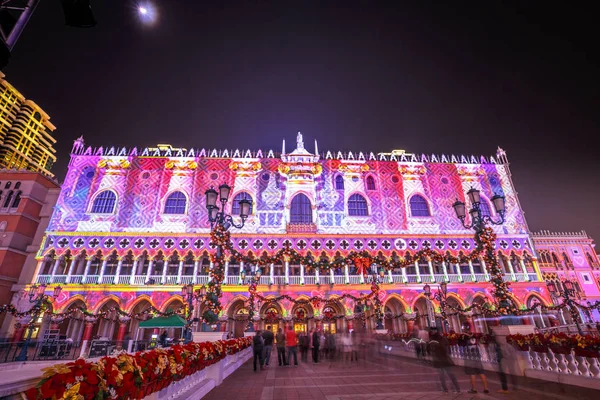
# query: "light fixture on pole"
{"type": "Point", "coordinates": [567, 293]}
{"type": "Point", "coordinates": [189, 296]}
{"type": "Point", "coordinates": [37, 297]}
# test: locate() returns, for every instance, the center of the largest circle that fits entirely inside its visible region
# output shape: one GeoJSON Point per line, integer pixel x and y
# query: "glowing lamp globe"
{"type": "Point", "coordinates": [57, 291]}
{"type": "Point", "coordinates": [444, 287]}
{"type": "Point", "coordinates": [474, 196]}
{"type": "Point", "coordinates": [499, 203]}
{"type": "Point", "coordinates": [224, 191]}
{"type": "Point", "coordinates": [245, 208]}
{"type": "Point", "coordinates": [211, 198]}
{"type": "Point", "coordinates": [459, 209]}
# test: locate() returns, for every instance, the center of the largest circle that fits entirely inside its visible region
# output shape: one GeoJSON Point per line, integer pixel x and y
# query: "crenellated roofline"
{"type": "Point", "coordinates": [165, 150]}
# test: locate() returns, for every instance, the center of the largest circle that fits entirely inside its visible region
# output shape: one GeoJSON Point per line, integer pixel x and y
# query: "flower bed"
{"type": "Point", "coordinates": [131, 376]}
{"type": "Point", "coordinates": [558, 343]}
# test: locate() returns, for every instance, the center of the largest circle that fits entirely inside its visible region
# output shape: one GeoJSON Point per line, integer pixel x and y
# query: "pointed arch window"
{"type": "Point", "coordinates": [235, 207]}
{"type": "Point", "coordinates": [8, 199]}
{"type": "Point", "coordinates": [357, 206]}
{"type": "Point", "coordinates": [419, 206]}
{"type": "Point", "coordinates": [301, 210]}
{"type": "Point", "coordinates": [370, 183]}
{"type": "Point", "coordinates": [104, 203]}
{"type": "Point", "coordinates": [17, 200]}
{"type": "Point", "coordinates": [176, 203]}
{"type": "Point", "coordinates": [339, 182]}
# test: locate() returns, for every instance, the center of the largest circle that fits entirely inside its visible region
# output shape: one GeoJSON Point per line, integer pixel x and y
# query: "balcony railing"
{"type": "Point", "coordinates": [233, 280]}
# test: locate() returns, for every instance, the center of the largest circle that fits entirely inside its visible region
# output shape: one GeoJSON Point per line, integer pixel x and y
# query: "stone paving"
{"type": "Point", "coordinates": [377, 378]}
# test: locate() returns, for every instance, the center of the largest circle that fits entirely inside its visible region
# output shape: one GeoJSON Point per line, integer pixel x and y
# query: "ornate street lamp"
{"type": "Point", "coordinates": [430, 311]}
{"type": "Point", "coordinates": [38, 297]}
{"type": "Point", "coordinates": [189, 295]}
{"type": "Point", "coordinates": [220, 222]}
{"type": "Point", "coordinates": [567, 294]}
{"type": "Point", "coordinates": [485, 241]}
{"type": "Point", "coordinates": [253, 281]}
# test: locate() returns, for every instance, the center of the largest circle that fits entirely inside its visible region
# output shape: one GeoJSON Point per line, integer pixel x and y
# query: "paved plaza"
{"type": "Point", "coordinates": [376, 378]}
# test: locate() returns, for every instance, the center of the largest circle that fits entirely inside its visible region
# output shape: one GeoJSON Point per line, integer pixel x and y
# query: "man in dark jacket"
{"type": "Point", "coordinates": [258, 345]}
{"type": "Point", "coordinates": [281, 347]}
{"type": "Point", "coordinates": [316, 337]}
{"type": "Point", "coordinates": [268, 338]}
{"type": "Point", "coordinates": [438, 348]}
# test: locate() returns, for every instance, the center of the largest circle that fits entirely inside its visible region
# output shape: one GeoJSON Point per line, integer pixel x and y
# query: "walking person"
{"type": "Point", "coordinates": [268, 338]}
{"type": "Point", "coordinates": [439, 350]}
{"type": "Point", "coordinates": [474, 366]}
{"type": "Point", "coordinates": [316, 340]}
{"type": "Point", "coordinates": [291, 342]}
{"type": "Point", "coordinates": [303, 342]}
{"type": "Point", "coordinates": [258, 345]}
{"type": "Point", "coordinates": [280, 347]}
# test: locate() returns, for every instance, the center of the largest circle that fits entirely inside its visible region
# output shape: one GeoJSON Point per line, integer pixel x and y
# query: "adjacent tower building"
{"type": "Point", "coordinates": [26, 141]}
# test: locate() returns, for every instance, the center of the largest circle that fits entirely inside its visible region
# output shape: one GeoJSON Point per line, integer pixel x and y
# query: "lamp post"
{"type": "Point", "coordinates": [567, 294]}
{"type": "Point", "coordinates": [485, 238]}
{"type": "Point", "coordinates": [253, 281]}
{"type": "Point", "coordinates": [220, 222]}
{"type": "Point", "coordinates": [442, 296]}
{"type": "Point", "coordinates": [189, 295]}
{"type": "Point", "coordinates": [430, 311]}
{"type": "Point", "coordinates": [380, 313]}
{"type": "Point", "coordinates": [37, 297]}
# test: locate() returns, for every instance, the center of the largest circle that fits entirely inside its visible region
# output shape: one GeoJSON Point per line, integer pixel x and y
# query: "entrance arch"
{"type": "Point", "coordinates": [238, 315]}
{"type": "Point", "coordinates": [394, 307]}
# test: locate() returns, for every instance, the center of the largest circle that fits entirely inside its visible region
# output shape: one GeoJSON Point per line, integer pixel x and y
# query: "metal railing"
{"type": "Point", "coordinates": [324, 279]}
{"type": "Point", "coordinates": [36, 351]}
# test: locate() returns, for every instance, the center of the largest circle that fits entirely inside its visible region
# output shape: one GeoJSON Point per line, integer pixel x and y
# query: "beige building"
{"type": "Point", "coordinates": [26, 140]}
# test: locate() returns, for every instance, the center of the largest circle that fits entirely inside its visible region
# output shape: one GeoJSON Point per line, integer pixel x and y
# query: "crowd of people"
{"type": "Point", "coordinates": [320, 345]}
{"type": "Point", "coordinates": [433, 347]}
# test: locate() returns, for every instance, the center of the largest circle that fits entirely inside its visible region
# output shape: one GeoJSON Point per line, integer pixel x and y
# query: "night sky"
{"type": "Point", "coordinates": [360, 76]}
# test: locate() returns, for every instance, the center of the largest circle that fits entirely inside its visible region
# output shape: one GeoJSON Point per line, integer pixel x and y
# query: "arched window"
{"type": "Point", "coordinates": [104, 203]}
{"type": "Point", "coordinates": [555, 258]}
{"type": "Point", "coordinates": [9, 197]}
{"type": "Point", "coordinates": [357, 205]}
{"type": "Point", "coordinates": [339, 182]}
{"type": "Point", "coordinates": [590, 259]}
{"type": "Point", "coordinates": [301, 210]}
{"type": "Point", "coordinates": [175, 203]}
{"type": "Point", "coordinates": [17, 185]}
{"type": "Point", "coordinates": [419, 206]}
{"type": "Point", "coordinates": [370, 183]}
{"type": "Point", "coordinates": [7, 186]}
{"type": "Point", "coordinates": [235, 207]}
{"type": "Point", "coordinates": [566, 257]}
{"type": "Point", "coordinates": [485, 208]}
{"type": "Point", "coordinates": [17, 200]}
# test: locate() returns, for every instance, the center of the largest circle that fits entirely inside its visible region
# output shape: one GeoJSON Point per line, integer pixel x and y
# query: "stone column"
{"type": "Point", "coordinates": [316, 275]}
{"type": "Point", "coordinates": [472, 271]}
{"type": "Point", "coordinates": [431, 270]}
{"type": "Point", "coordinates": [149, 272]}
{"type": "Point", "coordinates": [417, 271]}
{"type": "Point", "coordinates": [445, 269]}
{"type": "Point", "coordinates": [180, 271]}
{"type": "Point", "coordinates": [484, 268]}
{"type": "Point", "coordinates": [346, 274]}
{"type": "Point", "coordinates": [87, 331]}
{"type": "Point", "coordinates": [86, 271]}
{"type": "Point", "coordinates": [458, 272]}
{"type": "Point", "coordinates": [404, 277]}
{"type": "Point", "coordinates": [164, 271]}
{"type": "Point", "coordinates": [524, 268]}
{"type": "Point", "coordinates": [195, 273]}
{"type": "Point", "coordinates": [118, 273]}
{"type": "Point", "coordinates": [54, 269]}
{"type": "Point", "coordinates": [287, 272]}
{"type": "Point", "coordinates": [71, 269]}
{"type": "Point", "coordinates": [102, 269]}
{"type": "Point", "coordinates": [133, 271]}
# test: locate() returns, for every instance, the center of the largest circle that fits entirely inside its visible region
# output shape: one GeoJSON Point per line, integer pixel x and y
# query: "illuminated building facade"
{"type": "Point", "coordinates": [572, 256]}
{"type": "Point", "coordinates": [130, 229]}
{"type": "Point", "coordinates": [26, 140]}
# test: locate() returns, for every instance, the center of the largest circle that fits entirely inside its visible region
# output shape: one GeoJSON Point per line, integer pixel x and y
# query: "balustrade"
{"type": "Point", "coordinates": [324, 279]}
{"type": "Point", "coordinates": [569, 364]}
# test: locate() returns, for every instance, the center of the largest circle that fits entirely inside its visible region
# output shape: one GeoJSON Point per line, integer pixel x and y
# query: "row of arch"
{"type": "Point", "coordinates": [12, 199]}
{"type": "Point", "coordinates": [550, 257]}
{"type": "Point", "coordinates": [176, 203]}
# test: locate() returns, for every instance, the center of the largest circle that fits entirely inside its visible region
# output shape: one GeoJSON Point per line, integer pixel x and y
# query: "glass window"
{"type": "Point", "coordinates": [419, 206]}
{"type": "Point", "coordinates": [8, 199]}
{"type": "Point", "coordinates": [357, 205]}
{"type": "Point", "coordinates": [17, 185]}
{"type": "Point", "coordinates": [17, 200]}
{"type": "Point", "coordinates": [175, 203]}
{"type": "Point", "coordinates": [301, 210]}
{"type": "Point", "coordinates": [339, 182]}
{"type": "Point", "coordinates": [370, 183]}
{"type": "Point", "coordinates": [104, 203]}
{"type": "Point", "coordinates": [235, 207]}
